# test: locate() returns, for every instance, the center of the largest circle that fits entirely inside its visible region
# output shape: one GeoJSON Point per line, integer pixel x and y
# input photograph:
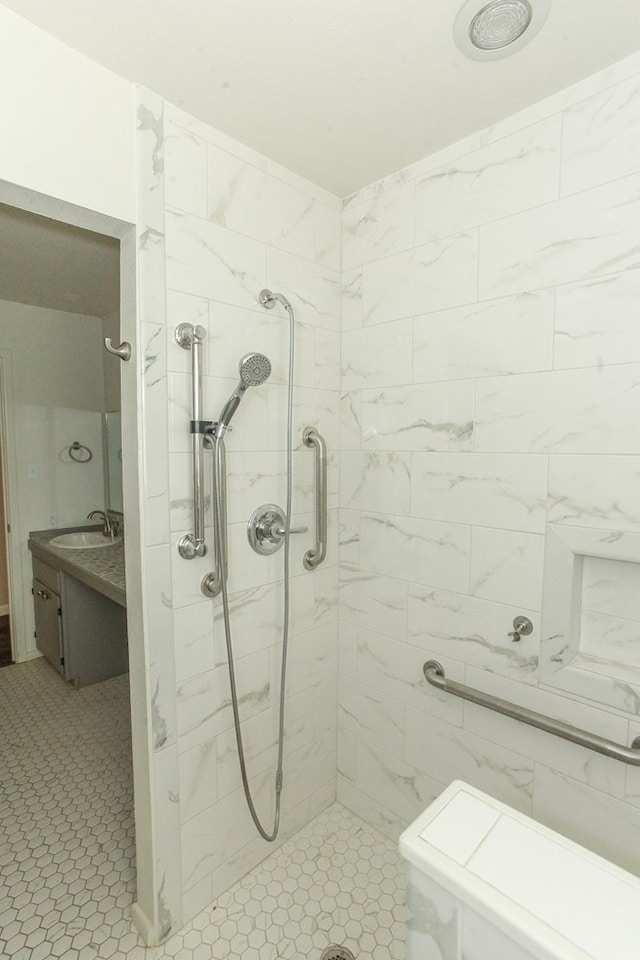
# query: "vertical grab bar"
{"type": "Point", "coordinates": [211, 583]}
{"type": "Point", "coordinates": [311, 438]}
{"type": "Point", "coordinates": [190, 338]}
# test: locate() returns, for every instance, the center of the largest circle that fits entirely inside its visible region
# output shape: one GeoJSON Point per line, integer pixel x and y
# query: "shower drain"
{"type": "Point", "coordinates": [335, 952]}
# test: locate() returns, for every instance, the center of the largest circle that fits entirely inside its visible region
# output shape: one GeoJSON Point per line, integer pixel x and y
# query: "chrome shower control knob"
{"type": "Point", "coordinates": [522, 627]}
{"type": "Point", "coordinates": [267, 529]}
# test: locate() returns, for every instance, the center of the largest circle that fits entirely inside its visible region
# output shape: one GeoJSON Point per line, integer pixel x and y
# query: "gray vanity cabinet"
{"type": "Point", "coordinates": [48, 617]}
{"type": "Point", "coordinates": [81, 632]}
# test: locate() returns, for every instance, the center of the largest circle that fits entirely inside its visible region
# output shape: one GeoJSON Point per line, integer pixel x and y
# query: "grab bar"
{"type": "Point", "coordinates": [434, 673]}
{"type": "Point", "coordinates": [315, 556]}
{"type": "Point", "coordinates": [190, 338]}
{"type": "Point", "coordinates": [211, 583]}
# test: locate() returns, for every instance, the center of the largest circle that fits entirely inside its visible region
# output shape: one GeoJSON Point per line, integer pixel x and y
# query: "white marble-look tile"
{"type": "Point", "coordinates": [254, 480]}
{"type": "Point", "coordinates": [347, 650]}
{"type": "Point", "coordinates": [370, 714]}
{"type": "Point", "coordinates": [312, 658]}
{"type": "Point", "coordinates": [602, 773]}
{"type": "Point", "coordinates": [387, 822]}
{"type": "Point", "coordinates": [433, 276]}
{"type": "Point", "coordinates": [427, 551]}
{"type": "Point", "coordinates": [312, 289]}
{"type": "Point", "coordinates": [394, 668]}
{"type": "Point", "coordinates": [492, 338]}
{"type": "Point", "coordinates": [507, 566]}
{"type": "Point", "coordinates": [375, 481]}
{"type": "Point", "coordinates": [590, 817]}
{"type": "Point", "coordinates": [503, 178]}
{"type": "Point", "coordinates": [493, 490]}
{"type": "Point", "coordinates": [591, 491]}
{"type": "Point", "coordinates": [610, 645]}
{"type": "Point", "coordinates": [327, 236]}
{"type": "Point", "coordinates": [159, 623]}
{"type": "Point", "coordinates": [433, 927]}
{"type": "Point", "coordinates": [351, 299]}
{"type": "Point", "coordinates": [326, 360]}
{"type": "Point", "coordinates": [249, 201]}
{"type": "Point", "coordinates": [325, 705]}
{"type": "Point", "coordinates": [210, 261]}
{"type": "Point", "coordinates": [451, 753]}
{"type": "Point", "coordinates": [393, 782]}
{"type": "Point", "coordinates": [193, 628]}
{"type": "Point", "coordinates": [198, 779]}
{"type": "Point", "coordinates": [312, 408]}
{"type": "Point", "coordinates": [185, 173]}
{"type": "Point", "coordinates": [351, 420]}
{"type": "Point", "coordinates": [257, 616]}
{"type": "Point", "coordinates": [432, 416]}
{"type": "Point", "coordinates": [471, 630]}
{"type": "Point", "coordinates": [260, 739]}
{"type": "Point", "coordinates": [481, 939]}
{"type": "Point", "coordinates": [349, 536]}
{"type": "Point", "coordinates": [564, 411]}
{"type": "Point", "coordinates": [377, 356]}
{"type": "Point", "coordinates": [596, 321]}
{"type": "Point", "coordinates": [203, 703]}
{"type": "Point", "coordinates": [166, 805]}
{"type": "Point", "coordinates": [611, 587]}
{"type": "Point", "coordinates": [587, 235]}
{"type": "Point", "coordinates": [309, 769]}
{"type": "Point", "coordinates": [601, 137]}
{"type": "Point", "coordinates": [377, 227]}
{"type": "Point", "coordinates": [346, 754]}
{"type": "Point", "coordinates": [208, 841]}
{"type": "Point", "coordinates": [373, 602]}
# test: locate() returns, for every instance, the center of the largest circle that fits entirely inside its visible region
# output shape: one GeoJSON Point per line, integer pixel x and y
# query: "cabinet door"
{"type": "Point", "coordinates": [46, 605]}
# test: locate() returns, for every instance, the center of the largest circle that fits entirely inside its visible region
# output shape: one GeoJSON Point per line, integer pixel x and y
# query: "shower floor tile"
{"type": "Point", "coordinates": [337, 881]}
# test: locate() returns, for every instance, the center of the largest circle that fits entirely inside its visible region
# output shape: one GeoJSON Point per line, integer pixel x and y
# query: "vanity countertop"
{"type": "Point", "coordinates": [100, 568]}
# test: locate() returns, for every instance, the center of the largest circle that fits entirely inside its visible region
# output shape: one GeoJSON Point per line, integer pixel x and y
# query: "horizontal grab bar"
{"type": "Point", "coordinates": [434, 673]}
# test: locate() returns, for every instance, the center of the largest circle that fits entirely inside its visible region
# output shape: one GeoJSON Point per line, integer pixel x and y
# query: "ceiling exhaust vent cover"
{"type": "Point", "coordinates": [488, 31]}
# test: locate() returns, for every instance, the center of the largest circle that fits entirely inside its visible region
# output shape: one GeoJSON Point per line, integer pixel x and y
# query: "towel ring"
{"type": "Point", "coordinates": [79, 453]}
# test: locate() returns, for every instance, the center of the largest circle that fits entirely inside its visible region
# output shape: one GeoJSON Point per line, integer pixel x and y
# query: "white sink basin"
{"type": "Point", "coordinates": [82, 540]}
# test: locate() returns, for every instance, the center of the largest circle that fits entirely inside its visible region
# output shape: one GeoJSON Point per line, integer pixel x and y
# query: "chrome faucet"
{"type": "Point", "coordinates": [110, 528]}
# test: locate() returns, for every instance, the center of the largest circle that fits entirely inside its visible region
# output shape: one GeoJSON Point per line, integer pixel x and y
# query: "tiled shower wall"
{"type": "Point", "coordinates": [490, 386]}
{"type": "Point", "coordinates": [230, 224]}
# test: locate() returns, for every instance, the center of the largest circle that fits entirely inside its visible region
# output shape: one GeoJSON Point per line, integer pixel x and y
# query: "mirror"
{"type": "Point", "coordinates": [113, 459]}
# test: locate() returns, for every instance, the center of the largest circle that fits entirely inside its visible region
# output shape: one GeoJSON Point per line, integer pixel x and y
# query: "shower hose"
{"type": "Point", "coordinates": [218, 512]}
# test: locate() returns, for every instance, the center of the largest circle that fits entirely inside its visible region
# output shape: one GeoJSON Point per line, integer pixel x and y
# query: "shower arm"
{"type": "Point", "coordinates": [190, 337]}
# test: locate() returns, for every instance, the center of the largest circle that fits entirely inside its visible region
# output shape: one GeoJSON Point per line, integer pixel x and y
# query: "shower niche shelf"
{"type": "Point", "coordinates": [590, 643]}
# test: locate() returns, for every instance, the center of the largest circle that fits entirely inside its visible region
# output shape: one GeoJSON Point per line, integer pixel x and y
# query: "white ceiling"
{"type": "Point", "coordinates": [49, 264]}
{"type": "Point", "coordinates": [340, 91]}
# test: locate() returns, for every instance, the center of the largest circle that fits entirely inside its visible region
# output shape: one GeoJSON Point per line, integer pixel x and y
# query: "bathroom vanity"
{"type": "Point", "coordinates": [80, 607]}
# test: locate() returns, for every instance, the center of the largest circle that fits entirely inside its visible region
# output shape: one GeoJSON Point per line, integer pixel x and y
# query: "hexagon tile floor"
{"type": "Point", "coordinates": [67, 867]}
{"type": "Point", "coordinates": [67, 855]}
{"type": "Point", "coordinates": [337, 881]}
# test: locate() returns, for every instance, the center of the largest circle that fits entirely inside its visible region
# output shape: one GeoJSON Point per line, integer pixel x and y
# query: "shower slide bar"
{"type": "Point", "coordinates": [190, 337]}
{"type": "Point", "coordinates": [312, 438]}
{"type": "Point", "coordinates": [434, 673]}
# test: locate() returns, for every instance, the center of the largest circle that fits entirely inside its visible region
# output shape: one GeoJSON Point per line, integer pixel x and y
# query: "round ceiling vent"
{"type": "Point", "coordinates": [488, 31]}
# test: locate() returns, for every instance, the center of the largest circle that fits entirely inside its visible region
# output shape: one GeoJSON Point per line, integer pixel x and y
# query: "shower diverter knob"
{"type": "Point", "coordinates": [267, 528]}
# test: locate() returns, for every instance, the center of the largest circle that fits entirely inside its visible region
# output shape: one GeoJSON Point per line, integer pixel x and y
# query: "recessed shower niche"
{"type": "Point", "coordinates": [591, 615]}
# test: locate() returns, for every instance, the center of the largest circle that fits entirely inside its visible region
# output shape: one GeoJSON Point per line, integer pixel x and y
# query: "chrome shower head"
{"type": "Point", "coordinates": [254, 369]}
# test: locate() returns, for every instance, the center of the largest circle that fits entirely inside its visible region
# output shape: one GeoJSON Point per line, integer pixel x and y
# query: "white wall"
{"type": "Point", "coordinates": [54, 365]}
{"type": "Point", "coordinates": [490, 375]}
{"type": "Point", "coordinates": [67, 124]}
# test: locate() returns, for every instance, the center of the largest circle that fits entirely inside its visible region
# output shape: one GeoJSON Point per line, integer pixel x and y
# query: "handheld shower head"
{"type": "Point", "coordinates": [254, 369]}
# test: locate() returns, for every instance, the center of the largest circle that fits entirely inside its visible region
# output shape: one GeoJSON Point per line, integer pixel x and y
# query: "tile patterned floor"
{"type": "Point", "coordinates": [67, 855]}
{"type": "Point", "coordinates": [337, 881]}
{"type": "Point", "coordinates": [67, 866]}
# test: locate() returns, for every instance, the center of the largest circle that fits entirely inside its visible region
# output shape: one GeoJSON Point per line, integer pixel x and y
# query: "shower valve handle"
{"type": "Point", "coordinates": [267, 529]}
{"type": "Point", "coordinates": [280, 531]}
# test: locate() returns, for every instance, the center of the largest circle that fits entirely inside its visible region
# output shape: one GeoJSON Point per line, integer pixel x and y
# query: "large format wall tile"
{"type": "Point", "coordinates": [587, 235]}
{"type": "Point", "coordinates": [433, 416]}
{"type": "Point", "coordinates": [510, 175]}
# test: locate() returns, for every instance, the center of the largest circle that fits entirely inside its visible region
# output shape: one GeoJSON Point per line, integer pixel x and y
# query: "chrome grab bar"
{"type": "Point", "coordinates": [190, 338]}
{"type": "Point", "coordinates": [211, 583]}
{"type": "Point", "coordinates": [311, 438]}
{"type": "Point", "coordinates": [434, 673]}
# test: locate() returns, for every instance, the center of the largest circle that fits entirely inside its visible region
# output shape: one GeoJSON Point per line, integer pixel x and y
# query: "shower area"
{"type": "Point", "coordinates": [465, 345]}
